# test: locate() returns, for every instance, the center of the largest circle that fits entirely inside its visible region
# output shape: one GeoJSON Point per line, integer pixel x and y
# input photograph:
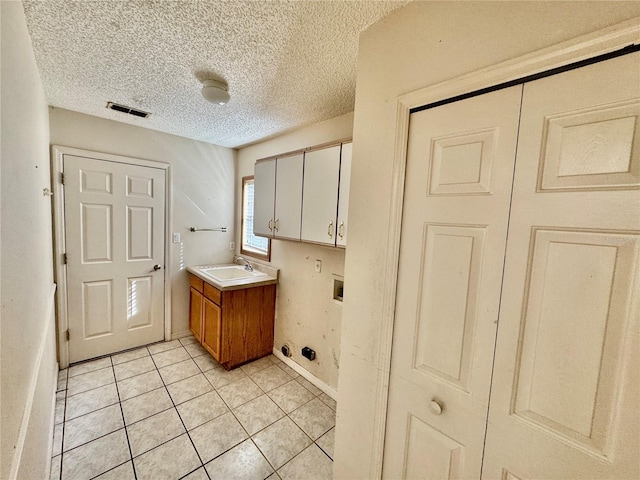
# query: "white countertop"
{"type": "Point", "coordinates": [268, 276]}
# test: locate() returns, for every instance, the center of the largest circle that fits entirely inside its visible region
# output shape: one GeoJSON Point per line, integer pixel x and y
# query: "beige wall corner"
{"type": "Point", "coordinates": [28, 376]}
{"type": "Point", "coordinates": [306, 314]}
{"type": "Point", "coordinates": [415, 47]}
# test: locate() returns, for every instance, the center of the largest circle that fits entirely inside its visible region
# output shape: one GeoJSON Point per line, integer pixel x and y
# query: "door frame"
{"type": "Point", "coordinates": [585, 47]}
{"type": "Point", "coordinates": [59, 233]}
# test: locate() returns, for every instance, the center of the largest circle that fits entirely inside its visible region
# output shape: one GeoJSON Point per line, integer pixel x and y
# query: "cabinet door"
{"type": "Point", "coordinates": [195, 313]}
{"type": "Point", "coordinates": [343, 194]}
{"type": "Point", "coordinates": [288, 197]}
{"type": "Point", "coordinates": [264, 197]}
{"type": "Point", "coordinates": [320, 195]}
{"type": "Point", "coordinates": [212, 328]}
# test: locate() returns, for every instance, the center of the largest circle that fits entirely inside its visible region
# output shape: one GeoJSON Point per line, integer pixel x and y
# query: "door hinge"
{"type": "Point", "coordinates": [67, 335]}
{"type": "Point", "coordinates": [62, 178]}
{"type": "Point", "coordinates": [64, 258]}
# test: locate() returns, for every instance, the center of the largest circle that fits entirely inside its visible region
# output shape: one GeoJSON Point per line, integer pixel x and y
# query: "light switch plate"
{"type": "Point", "coordinates": [318, 266]}
{"type": "Point", "coordinates": [176, 238]}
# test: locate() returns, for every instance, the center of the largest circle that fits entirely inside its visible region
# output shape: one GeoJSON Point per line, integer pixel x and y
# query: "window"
{"type": "Point", "coordinates": [259, 247]}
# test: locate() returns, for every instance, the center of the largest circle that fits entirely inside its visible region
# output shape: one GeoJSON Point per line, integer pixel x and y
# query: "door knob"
{"type": "Point", "coordinates": [156, 267]}
{"type": "Point", "coordinates": [435, 407]}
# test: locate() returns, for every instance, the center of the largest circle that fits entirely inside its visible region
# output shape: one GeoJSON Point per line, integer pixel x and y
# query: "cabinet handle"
{"type": "Point", "coordinates": [277, 226]}
{"type": "Point", "coordinates": [269, 225]}
{"type": "Point", "coordinates": [330, 229]}
{"type": "Point", "coordinates": [340, 229]}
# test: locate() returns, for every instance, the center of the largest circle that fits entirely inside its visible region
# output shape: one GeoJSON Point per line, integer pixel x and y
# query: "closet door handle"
{"type": "Point", "coordinates": [330, 229]}
{"type": "Point", "coordinates": [436, 407]}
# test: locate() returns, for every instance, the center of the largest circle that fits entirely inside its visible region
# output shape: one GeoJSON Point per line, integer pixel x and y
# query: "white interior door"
{"type": "Point", "coordinates": [565, 400]}
{"type": "Point", "coordinates": [456, 206]}
{"type": "Point", "coordinates": [114, 224]}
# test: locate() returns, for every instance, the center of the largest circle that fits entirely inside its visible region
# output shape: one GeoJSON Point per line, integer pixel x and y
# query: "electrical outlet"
{"type": "Point", "coordinates": [232, 245]}
{"type": "Point", "coordinates": [176, 238]}
{"type": "Point", "coordinates": [318, 266]}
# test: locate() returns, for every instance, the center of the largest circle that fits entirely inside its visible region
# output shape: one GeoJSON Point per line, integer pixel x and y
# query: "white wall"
{"type": "Point", "coordinates": [306, 315]}
{"type": "Point", "coordinates": [29, 368]}
{"type": "Point", "coordinates": [202, 187]}
{"type": "Point", "coordinates": [417, 46]}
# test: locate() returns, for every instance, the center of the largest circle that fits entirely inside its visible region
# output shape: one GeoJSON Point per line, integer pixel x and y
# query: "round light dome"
{"type": "Point", "coordinates": [215, 92]}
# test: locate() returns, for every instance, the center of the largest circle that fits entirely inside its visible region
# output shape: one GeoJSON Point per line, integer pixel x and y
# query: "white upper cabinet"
{"type": "Point", "coordinates": [288, 204]}
{"type": "Point", "coordinates": [320, 195]}
{"type": "Point", "coordinates": [343, 194]}
{"type": "Point", "coordinates": [304, 196]}
{"type": "Point", "coordinates": [278, 197]}
{"type": "Point", "coordinates": [264, 197]}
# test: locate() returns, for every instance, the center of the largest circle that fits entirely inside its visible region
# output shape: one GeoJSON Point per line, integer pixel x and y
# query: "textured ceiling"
{"type": "Point", "coordinates": [287, 63]}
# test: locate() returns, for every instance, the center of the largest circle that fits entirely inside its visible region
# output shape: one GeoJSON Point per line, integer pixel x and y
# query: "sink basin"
{"type": "Point", "coordinates": [235, 272]}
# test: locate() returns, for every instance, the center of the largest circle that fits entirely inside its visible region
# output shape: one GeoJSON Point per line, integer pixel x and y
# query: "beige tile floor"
{"type": "Point", "coordinates": [170, 411]}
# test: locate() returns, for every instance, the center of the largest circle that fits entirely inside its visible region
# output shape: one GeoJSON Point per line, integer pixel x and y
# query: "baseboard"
{"type": "Point", "coordinates": [47, 333]}
{"type": "Point", "coordinates": [332, 392]}
{"type": "Point", "coordinates": [176, 336]}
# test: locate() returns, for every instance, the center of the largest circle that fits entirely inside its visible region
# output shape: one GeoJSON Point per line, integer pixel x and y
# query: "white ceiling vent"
{"type": "Point", "coordinates": [124, 109]}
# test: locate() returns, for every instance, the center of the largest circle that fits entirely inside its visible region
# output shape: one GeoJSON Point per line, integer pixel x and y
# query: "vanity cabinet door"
{"type": "Point", "coordinates": [212, 328]}
{"type": "Point", "coordinates": [195, 313]}
{"type": "Point", "coordinates": [320, 197]}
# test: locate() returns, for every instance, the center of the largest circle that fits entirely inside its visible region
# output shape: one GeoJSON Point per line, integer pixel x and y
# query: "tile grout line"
{"type": "Point", "coordinates": [124, 423]}
{"type": "Point", "coordinates": [178, 413]}
{"type": "Point", "coordinates": [64, 419]}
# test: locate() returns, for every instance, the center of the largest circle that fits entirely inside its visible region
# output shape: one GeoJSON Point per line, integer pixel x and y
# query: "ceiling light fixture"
{"type": "Point", "coordinates": [215, 92]}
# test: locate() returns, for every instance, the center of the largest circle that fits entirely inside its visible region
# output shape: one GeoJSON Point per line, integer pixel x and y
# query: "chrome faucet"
{"type": "Point", "coordinates": [248, 267]}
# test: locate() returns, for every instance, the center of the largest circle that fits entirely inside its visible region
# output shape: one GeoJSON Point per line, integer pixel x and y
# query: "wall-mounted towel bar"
{"type": "Point", "coordinates": [219, 229]}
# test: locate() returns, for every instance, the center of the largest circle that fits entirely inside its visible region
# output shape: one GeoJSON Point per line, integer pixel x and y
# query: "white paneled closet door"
{"type": "Point", "coordinates": [456, 207]}
{"type": "Point", "coordinates": [565, 399]}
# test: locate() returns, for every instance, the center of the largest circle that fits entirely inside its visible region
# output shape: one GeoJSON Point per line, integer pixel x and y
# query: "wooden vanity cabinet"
{"type": "Point", "coordinates": [234, 326]}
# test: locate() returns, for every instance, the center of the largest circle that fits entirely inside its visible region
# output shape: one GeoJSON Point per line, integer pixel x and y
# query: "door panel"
{"type": "Point", "coordinates": [139, 307]}
{"type": "Point", "coordinates": [458, 185]}
{"type": "Point", "coordinates": [564, 398]}
{"type": "Point", "coordinates": [139, 233]}
{"type": "Point", "coordinates": [97, 233]}
{"type": "Point", "coordinates": [97, 314]}
{"type": "Point", "coordinates": [114, 223]}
